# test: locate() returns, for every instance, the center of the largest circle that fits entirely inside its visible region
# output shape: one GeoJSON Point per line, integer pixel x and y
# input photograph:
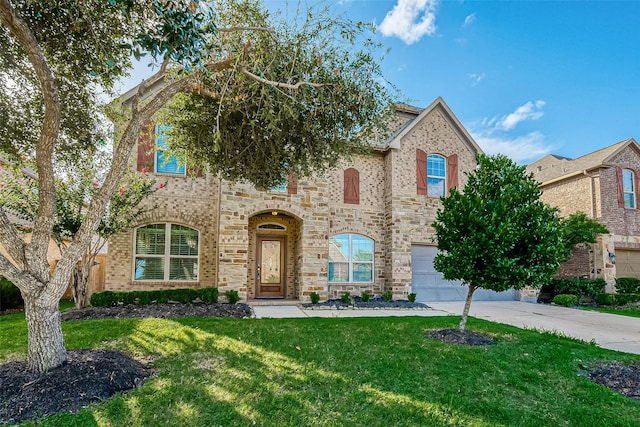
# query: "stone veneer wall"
{"type": "Point", "coordinates": [409, 216]}
{"type": "Point", "coordinates": [186, 201]}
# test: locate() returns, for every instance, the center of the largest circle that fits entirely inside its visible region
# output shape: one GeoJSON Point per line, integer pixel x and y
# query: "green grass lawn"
{"type": "Point", "coordinates": [340, 372]}
{"type": "Point", "coordinates": [623, 311]}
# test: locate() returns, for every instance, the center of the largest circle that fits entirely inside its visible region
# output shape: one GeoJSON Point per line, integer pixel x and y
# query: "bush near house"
{"type": "Point", "coordinates": [616, 299]}
{"type": "Point", "coordinates": [566, 300]}
{"type": "Point", "coordinates": [578, 286]}
{"type": "Point", "coordinates": [107, 298]}
{"type": "Point", "coordinates": [9, 295]}
{"type": "Point", "coordinates": [628, 285]}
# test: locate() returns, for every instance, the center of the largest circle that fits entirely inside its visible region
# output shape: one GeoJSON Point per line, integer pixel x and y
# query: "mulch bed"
{"type": "Point", "coordinates": [159, 310]}
{"type": "Point", "coordinates": [625, 379]}
{"type": "Point", "coordinates": [89, 376]}
{"type": "Point", "coordinates": [455, 336]}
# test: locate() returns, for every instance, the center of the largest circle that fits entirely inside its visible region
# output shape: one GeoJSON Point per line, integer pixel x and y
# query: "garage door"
{"type": "Point", "coordinates": [627, 263]}
{"type": "Point", "coordinates": [430, 286]}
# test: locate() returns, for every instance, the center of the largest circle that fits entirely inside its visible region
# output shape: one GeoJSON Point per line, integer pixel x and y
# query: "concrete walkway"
{"type": "Point", "coordinates": [610, 331]}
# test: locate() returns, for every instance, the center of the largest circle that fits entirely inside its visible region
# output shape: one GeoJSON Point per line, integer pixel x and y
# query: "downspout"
{"type": "Point", "coordinates": [218, 233]}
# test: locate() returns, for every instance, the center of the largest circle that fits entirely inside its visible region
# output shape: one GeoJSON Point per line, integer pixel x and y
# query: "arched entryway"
{"type": "Point", "coordinates": [273, 255]}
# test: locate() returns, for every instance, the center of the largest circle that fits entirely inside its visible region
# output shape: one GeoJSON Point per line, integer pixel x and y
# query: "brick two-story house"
{"type": "Point", "coordinates": [358, 228]}
{"type": "Point", "coordinates": [604, 184]}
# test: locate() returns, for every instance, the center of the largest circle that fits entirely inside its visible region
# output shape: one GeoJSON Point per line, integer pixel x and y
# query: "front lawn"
{"type": "Point", "coordinates": [340, 372]}
{"type": "Point", "coordinates": [623, 311]}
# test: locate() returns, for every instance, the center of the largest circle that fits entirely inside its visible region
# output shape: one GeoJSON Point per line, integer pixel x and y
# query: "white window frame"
{"type": "Point", "coordinates": [351, 261]}
{"type": "Point", "coordinates": [166, 256]}
{"type": "Point", "coordinates": [629, 191]}
{"type": "Point", "coordinates": [442, 178]}
{"type": "Point", "coordinates": [181, 170]}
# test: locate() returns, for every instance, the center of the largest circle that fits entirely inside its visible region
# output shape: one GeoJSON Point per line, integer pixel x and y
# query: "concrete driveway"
{"type": "Point", "coordinates": [610, 331]}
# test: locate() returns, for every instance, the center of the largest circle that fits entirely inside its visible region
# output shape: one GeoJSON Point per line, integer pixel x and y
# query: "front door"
{"type": "Point", "coordinates": [270, 275]}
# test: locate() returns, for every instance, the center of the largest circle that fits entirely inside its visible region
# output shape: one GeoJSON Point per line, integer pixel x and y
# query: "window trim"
{"type": "Point", "coordinates": [442, 177]}
{"type": "Point", "coordinates": [633, 190]}
{"type": "Point", "coordinates": [181, 170]}
{"type": "Point", "coordinates": [166, 256]}
{"type": "Point", "coordinates": [351, 261]}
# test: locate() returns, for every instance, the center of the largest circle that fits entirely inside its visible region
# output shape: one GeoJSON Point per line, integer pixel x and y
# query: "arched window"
{"type": "Point", "coordinates": [166, 252]}
{"type": "Point", "coordinates": [435, 174]}
{"type": "Point", "coordinates": [350, 259]}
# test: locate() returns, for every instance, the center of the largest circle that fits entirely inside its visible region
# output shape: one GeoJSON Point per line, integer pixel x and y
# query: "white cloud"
{"type": "Point", "coordinates": [410, 20]}
{"type": "Point", "coordinates": [528, 111]}
{"type": "Point", "coordinates": [520, 149]}
{"type": "Point", "coordinates": [476, 78]}
{"type": "Point", "coordinates": [469, 20]}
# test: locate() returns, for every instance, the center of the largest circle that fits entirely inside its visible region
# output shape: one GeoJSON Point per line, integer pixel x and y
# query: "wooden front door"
{"type": "Point", "coordinates": [270, 274]}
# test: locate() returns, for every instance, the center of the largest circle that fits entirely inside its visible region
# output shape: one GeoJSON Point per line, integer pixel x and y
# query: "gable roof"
{"type": "Point", "coordinates": [553, 168]}
{"type": "Point", "coordinates": [394, 141]}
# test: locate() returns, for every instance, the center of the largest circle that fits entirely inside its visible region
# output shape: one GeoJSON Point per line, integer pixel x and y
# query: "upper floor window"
{"type": "Point", "coordinates": [165, 252]}
{"type": "Point", "coordinates": [164, 163]}
{"type": "Point", "coordinates": [629, 188]}
{"type": "Point", "coordinates": [350, 258]}
{"type": "Point", "coordinates": [352, 186]}
{"type": "Point", "coordinates": [436, 175]}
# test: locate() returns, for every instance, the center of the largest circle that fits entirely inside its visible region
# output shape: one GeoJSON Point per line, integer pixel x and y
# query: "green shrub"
{"type": "Point", "coordinates": [387, 296]}
{"type": "Point", "coordinates": [10, 296]}
{"type": "Point", "coordinates": [365, 297]}
{"type": "Point", "coordinates": [346, 297]}
{"type": "Point", "coordinates": [232, 296]}
{"type": "Point", "coordinates": [578, 286]}
{"type": "Point", "coordinates": [412, 297]}
{"type": "Point", "coordinates": [616, 299]}
{"type": "Point", "coordinates": [628, 285]}
{"type": "Point", "coordinates": [208, 294]}
{"type": "Point", "coordinates": [186, 296]}
{"type": "Point", "coordinates": [566, 300]}
{"type": "Point", "coordinates": [315, 298]}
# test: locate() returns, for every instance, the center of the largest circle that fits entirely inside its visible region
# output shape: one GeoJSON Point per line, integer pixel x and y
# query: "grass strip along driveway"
{"type": "Point", "coordinates": [340, 372]}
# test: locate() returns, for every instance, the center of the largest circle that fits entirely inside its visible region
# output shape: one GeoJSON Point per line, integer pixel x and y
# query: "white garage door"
{"type": "Point", "coordinates": [430, 286]}
{"type": "Point", "coordinates": [627, 263]}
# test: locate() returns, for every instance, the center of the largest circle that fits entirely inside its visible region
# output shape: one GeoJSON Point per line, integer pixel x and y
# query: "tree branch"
{"type": "Point", "coordinates": [11, 240]}
{"type": "Point", "coordinates": [36, 250]}
{"type": "Point", "coordinates": [280, 84]}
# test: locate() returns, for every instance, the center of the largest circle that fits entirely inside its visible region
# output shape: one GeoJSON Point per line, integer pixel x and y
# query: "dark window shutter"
{"type": "Point", "coordinates": [452, 170]}
{"type": "Point", "coordinates": [146, 147]}
{"type": "Point", "coordinates": [620, 187]}
{"type": "Point", "coordinates": [352, 186]}
{"type": "Point", "coordinates": [292, 185]}
{"type": "Point", "coordinates": [421, 171]}
{"type": "Point", "coordinates": [194, 171]}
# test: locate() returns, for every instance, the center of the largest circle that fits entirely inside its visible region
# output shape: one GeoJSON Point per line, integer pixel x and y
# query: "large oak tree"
{"type": "Point", "coordinates": [252, 95]}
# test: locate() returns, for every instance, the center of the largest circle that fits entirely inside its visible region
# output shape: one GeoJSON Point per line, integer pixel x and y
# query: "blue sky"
{"type": "Point", "coordinates": [526, 78]}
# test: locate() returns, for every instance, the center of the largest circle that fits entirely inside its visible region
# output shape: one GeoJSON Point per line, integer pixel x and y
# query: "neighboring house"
{"type": "Point", "coordinates": [359, 228]}
{"type": "Point", "coordinates": [603, 184]}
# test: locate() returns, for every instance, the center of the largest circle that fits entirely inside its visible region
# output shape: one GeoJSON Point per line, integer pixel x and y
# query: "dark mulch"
{"type": "Point", "coordinates": [359, 304]}
{"type": "Point", "coordinates": [625, 379]}
{"type": "Point", "coordinates": [89, 376]}
{"type": "Point", "coordinates": [455, 336]}
{"type": "Point", "coordinates": [159, 310]}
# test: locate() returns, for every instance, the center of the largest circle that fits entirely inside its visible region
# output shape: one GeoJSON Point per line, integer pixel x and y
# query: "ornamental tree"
{"type": "Point", "coordinates": [579, 228]}
{"type": "Point", "coordinates": [267, 95]}
{"type": "Point", "coordinates": [75, 185]}
{"type": "Point", "coordinates": [497, 235]}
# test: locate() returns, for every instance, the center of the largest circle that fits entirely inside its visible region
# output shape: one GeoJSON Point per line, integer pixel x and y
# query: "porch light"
{"type": "Point", "coordinates": [612, 257]}
{"type": "Point", "coordinates": [274, 213]}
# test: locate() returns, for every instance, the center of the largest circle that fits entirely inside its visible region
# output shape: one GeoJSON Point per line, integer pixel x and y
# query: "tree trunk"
{"type": "Point", "coordinates": [46, 343]}
{"type": "Point", "coordinates": [467, 305]}
{"type": "Point", "coordinates": [80, 281]}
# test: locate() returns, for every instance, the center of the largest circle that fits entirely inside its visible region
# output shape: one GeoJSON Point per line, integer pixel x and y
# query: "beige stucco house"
{"type": "Point", "coordinates": [604, 184]}
{"type": "Point", "coordinates": [358, 228]}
